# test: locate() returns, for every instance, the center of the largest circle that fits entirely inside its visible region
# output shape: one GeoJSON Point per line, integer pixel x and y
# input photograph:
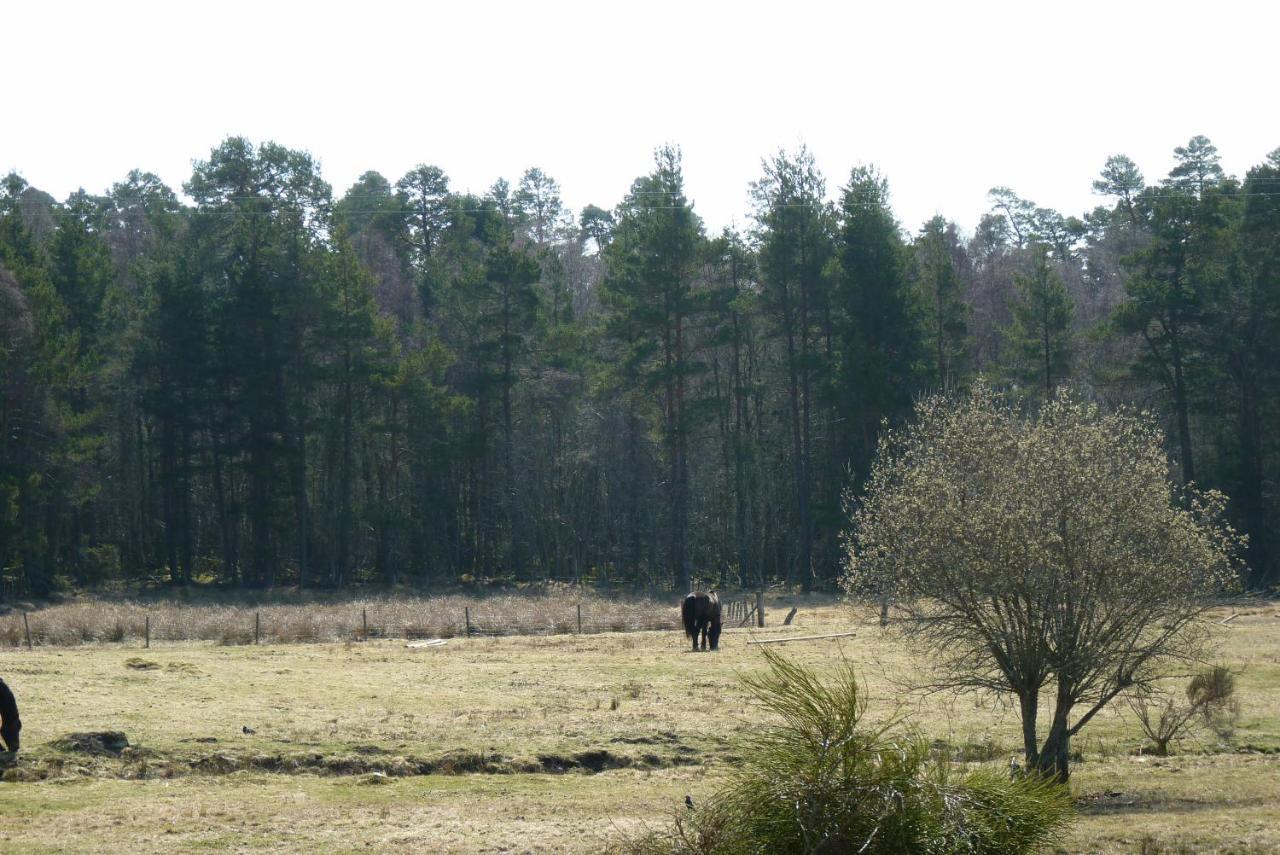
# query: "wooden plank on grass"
{"type": "Point", "coordinates": [800, 638]}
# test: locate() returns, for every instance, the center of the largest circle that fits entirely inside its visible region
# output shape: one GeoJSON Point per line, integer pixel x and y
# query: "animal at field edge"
{"type": "Point", "coordinates": [10, 724]}
{"type": "Point", "coordinates": [701, 614]}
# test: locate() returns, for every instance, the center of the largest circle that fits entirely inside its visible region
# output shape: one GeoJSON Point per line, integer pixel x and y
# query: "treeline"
{"type": "Point", "coordinates": [267, 385]}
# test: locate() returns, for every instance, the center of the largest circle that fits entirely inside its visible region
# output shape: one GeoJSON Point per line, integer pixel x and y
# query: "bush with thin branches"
{"type": "Point", "coordinates": [1210, 702]}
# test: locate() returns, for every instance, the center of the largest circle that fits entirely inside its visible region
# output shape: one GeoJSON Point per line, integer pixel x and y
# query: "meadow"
{"type": "Point", "coordinates": [553, 742]}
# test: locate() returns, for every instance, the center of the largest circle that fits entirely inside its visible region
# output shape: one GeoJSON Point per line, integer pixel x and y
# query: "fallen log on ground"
{"type": "Point", "coordinates": [800, 638]}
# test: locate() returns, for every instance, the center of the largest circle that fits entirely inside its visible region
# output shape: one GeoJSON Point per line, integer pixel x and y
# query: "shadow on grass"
{"type": "Point", "coordinates": [1112, 803]}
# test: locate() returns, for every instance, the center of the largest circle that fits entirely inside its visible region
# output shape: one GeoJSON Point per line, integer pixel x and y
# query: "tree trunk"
{"type": "Point", "coordinates": [345, 485]}
{"type": "Point", "coordinates": [1053, 760]}
{"type": "Point", "coordinates": [1181, 408]}
{"type": "Point", "coordinates": [1251, 498]}
{"type": "Point", "coordinates": [1029, 704]}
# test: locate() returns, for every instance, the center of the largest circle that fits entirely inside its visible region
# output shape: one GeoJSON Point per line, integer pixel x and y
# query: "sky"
{"type": "Point", "coordinates": [946, 99]}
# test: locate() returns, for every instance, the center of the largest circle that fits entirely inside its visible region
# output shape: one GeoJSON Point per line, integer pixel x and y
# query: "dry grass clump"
{"type": "Point", "coordinates": [99, 620]}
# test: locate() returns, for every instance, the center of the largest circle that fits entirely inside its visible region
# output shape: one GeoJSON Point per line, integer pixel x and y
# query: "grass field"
{"type": "Point", "coordinates": [554, 743]}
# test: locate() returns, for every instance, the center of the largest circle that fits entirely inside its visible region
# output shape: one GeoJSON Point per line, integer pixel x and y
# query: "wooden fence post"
{"type": "Point", "coordinates": [579, 618]}
{"type": "Point", "coordinates": [364, 623]}
{"type": "Point", "coordinates": [27, 626]}
{"type": "Point", "coordinates": [760, 608]}
{"type": "Point", "coordinates": [257, 626]}
{"type": "Point", "coordinates": [146, 632]}
{"type": "Point", "coordinates": [466, 614]}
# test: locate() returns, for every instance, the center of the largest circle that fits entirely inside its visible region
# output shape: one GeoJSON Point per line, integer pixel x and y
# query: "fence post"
{"type": "Point", "coordinates": [364, 623]}
{"type": "Point", "coordinates": [579, 618]}
{"type": "Point", "coordinates": [27, 626]}
{"type": "Point", "coordinates": [760, 608]}
{"type": "Point", "coordinates": [257, 626]}
{"type": "Point", "coordinates": [146, 632]}
{"type": "Point", "coordinates": [466, 615]}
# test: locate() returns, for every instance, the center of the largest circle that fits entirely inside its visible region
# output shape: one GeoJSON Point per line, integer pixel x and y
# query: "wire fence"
{"type": "Point", "coordinates": [131, 622]}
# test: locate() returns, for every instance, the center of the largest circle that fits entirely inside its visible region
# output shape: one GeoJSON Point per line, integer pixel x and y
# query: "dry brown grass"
{"type": "Point", "coordinates": [95, 621]}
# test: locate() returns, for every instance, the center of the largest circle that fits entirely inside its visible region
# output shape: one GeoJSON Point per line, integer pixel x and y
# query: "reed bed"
{"type": "Point", "coordinates": [125, 621]}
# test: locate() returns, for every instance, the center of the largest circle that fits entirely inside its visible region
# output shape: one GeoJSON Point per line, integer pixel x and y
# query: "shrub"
{"type": "Point", "coordinates": [1211, 701]}
{"type": "Point", "coordinates": [821, 781]}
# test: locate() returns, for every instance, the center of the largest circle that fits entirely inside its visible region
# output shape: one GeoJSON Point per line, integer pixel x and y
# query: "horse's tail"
{"type": "Point", "coordinates": [689, 614]}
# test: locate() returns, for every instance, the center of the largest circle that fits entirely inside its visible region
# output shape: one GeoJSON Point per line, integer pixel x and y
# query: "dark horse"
{"type": "Point", "coordinates": [10, 724]}
{"type": "Point", "coordinates": [701, 614]}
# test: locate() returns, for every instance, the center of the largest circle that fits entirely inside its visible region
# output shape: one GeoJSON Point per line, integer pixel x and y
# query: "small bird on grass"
{"type": "Point", "coordinates": [688, 802]}
{"type": "Point", "coordinates": [247, 729]}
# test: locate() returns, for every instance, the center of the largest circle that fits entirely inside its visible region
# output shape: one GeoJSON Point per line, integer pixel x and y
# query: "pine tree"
{"type": "Point", "coordinates": [794, 250]}
{"type": "Point", "coordinates": [880, 354]}
{"type": "Point", "coordinates": [1040, 338]}
{"type": "Point", "coordinates": [941, 302]}
{"type": "Point", "coordinates": [648, 288]}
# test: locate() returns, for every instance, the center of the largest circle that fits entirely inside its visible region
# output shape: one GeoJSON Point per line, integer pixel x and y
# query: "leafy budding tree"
{"type": "Point", "coordinates": [1040, 554]}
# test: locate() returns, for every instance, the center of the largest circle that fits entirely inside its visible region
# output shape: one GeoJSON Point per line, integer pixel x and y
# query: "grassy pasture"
{"type": "Point", "coordinates": [553, 743]}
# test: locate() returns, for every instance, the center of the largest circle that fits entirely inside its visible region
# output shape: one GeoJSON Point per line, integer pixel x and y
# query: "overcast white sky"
{"type": "Point", "coordinates": [947, 99]}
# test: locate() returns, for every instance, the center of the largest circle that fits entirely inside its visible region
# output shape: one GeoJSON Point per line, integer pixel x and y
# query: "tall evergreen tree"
{"type": "Point", "coordinates": [1040, 338]}
{"type": "Point", "coordinates": [794, 234]}
{"type": "Point", "coordinates": [1175, 279]}
{"type": "Point", "coordinates": [941, 302]}
{"type": "Point", "coordinates": [880, 350]}
{"type": "Point", "coordinates": [260, 217]}
{"type": "Point", "coordinates": [649, 288]}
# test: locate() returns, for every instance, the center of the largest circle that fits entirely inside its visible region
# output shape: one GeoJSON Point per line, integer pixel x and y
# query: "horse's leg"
{"type": "Point", "coordinates": [705, 626]}
{"type": "Point", "coordinates": [695, 638]}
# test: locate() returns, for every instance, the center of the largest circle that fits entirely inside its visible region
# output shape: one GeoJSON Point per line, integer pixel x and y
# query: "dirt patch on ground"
{"type": "Point", "coordinates": [458, 762]}
{"type": "Point", "coordinates": [109, 755]}
{"type": "Point", "coordinates": [664, 737]}
{"type": "Point", "coordinates": [137, 663]}
{"type": "Point", "coordinates": [1117, 802]}
{"type": "Point", "coordinates": [95, 743]}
